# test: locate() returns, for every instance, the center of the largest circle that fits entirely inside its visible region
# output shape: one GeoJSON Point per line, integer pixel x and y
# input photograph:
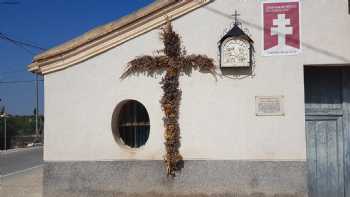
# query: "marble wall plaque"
{"type": "Point", "coordinates": [269, 105]}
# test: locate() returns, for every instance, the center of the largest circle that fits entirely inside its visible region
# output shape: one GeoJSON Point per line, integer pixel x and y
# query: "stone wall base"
{"type": "Point", "coordinates": [197, 179]}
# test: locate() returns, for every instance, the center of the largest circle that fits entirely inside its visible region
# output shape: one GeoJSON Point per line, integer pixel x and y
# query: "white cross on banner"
{"type": "Point", "coordinates": [281, 22]}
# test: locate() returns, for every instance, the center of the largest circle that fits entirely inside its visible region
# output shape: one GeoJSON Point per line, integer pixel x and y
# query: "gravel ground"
{"type": "Point", "coordinates": [24, 184]}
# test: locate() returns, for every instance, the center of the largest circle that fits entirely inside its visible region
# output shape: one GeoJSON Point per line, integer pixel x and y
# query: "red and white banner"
{"type": "Point", "coordinates": [281, 22]}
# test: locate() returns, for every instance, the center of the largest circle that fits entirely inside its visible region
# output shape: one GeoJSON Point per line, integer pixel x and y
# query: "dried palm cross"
{"type": "Point", "coordinates": [173, 62]}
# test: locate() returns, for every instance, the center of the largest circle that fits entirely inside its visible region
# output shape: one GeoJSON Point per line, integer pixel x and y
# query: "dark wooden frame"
{"type": "Point", "coordinates": [129, 124]}
{"type": "Point", "coordinates": [346, 128]}
{"type": "Point", "coordinates": [343, 114]}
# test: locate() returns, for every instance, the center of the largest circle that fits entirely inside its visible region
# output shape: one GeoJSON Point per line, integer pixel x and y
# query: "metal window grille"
{"type": "Point", "coordinates": [134, 124]}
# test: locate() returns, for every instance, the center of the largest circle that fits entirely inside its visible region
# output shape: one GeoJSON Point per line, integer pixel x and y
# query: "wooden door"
{"type": "Point", "coordinates": [326, 121]}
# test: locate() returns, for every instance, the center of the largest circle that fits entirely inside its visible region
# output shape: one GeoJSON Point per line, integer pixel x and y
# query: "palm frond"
{"type": "Point", "coordinates": [202, 63]}
{"type": "Point", "coordinates": [146, 65]}
{"type": "Point", "coordinates": [171, 41]}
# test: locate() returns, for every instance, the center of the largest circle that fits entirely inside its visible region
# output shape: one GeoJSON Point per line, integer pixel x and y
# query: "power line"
{"type": "Point", "coordinates": [15, 43]}
{"type": "Point", "coordinates": [21, 44]}
{"type": "Point", "coordinates": [7, 37]}
{"type": "Point", "coordinates": [10, 2]}
{"type": "Point", "coordinates": [16, 82]}
{"type": "Point", "coordinates": [13, 72]}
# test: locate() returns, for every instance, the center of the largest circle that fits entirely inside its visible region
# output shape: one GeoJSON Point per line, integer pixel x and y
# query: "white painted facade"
{"type": "Point", "coordinates": [217, 117]}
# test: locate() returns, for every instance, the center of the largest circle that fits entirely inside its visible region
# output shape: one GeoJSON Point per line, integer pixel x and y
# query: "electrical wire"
{"type": "Point", "coordinates": [13, 72]}
{"type": "Point", "coordinates": [23, 45]}
{"type": "Point", "coordinates": [7, 37]}
{"type": "Point", "coordinates": [9, 2]}
{"type": "Point", "coordinates": [16, 82]}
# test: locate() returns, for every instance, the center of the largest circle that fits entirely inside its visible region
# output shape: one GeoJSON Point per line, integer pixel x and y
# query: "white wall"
{"type": "Point", "coordinates": [217, 116]}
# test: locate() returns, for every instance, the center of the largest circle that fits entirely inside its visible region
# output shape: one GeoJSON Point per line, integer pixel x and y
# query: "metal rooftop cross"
{"type": "Point", "coordinates": [236, 15]}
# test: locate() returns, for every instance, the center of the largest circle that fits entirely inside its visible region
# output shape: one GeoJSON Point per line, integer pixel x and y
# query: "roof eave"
{"type": "Point", "coordinates": [111, 35]}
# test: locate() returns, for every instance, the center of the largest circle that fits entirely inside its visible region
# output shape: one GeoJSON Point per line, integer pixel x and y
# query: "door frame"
{"type": "Point", "coordinates": [337, 117]}
{"type": "Point", "coordinates": [346, 128]}
{"type": "Point", "coordinates": [345, 113]}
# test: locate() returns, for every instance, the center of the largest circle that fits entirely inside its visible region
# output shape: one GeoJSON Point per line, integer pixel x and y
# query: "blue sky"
{"type": "Point", "coordinates": [46, 23]}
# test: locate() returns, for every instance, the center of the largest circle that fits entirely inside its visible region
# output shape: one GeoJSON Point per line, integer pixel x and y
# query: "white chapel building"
{"type": "Point", "coordinates": [273, 121]}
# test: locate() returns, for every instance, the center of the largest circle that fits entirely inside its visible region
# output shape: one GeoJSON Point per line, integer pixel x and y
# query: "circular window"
{"type": "Point", "coordinates": [131, 124]}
